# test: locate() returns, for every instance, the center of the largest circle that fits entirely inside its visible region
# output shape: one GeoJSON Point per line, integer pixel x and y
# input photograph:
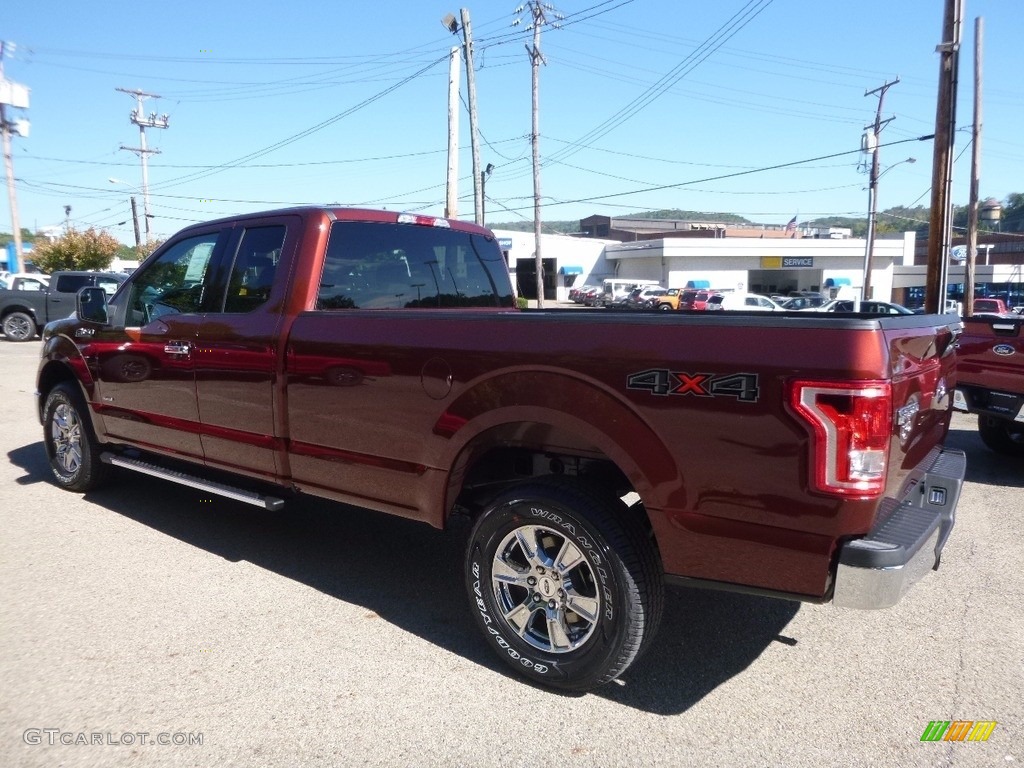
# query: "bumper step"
{"type": "Point", "coordinates": [875, 571]}
{"type": "Point", "coordinates": [270, 503]}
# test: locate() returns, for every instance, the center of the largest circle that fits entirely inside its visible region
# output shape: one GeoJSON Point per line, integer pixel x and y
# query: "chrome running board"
{"type": "Point", "coordinates": [249, 497]}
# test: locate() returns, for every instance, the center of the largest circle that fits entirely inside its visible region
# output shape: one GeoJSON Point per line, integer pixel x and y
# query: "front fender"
{"type": "Point", "coordinates": [62, 360]}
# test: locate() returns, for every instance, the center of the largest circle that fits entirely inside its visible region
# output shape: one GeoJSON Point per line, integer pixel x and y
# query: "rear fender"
{"type": "Point", "coordinates": [552, 411]}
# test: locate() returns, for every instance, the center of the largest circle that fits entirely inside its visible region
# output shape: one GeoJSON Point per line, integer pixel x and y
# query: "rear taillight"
{"type": "Point", "coordinates": [851, 424]}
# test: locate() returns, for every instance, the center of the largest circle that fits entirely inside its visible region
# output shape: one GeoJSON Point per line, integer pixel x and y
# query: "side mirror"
{"type": "Point", "coordinates": [91, 305]}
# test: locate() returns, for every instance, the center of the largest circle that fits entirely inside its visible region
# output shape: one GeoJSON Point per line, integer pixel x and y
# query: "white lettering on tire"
{"type": "Point", "coordinates": [481, 606]}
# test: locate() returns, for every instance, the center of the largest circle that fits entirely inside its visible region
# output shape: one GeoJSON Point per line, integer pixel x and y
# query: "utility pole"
{"type": "Point", "coordinates": [451, 208]}
{"type": "Point", "coordinates": [14, 95]}
{"type": "Point", "coordinates": [940, 224]}
{"type": "Point", "coordinates": [538, 11]}
{"type": "Point", "coordinates": [474, 131]}
{"type": "Point", "coordinates": [139, 118]}
{"type": "Point", "coordinates": [474, 128]}
{"type": "Point", "coordinates": [972, 210]}
{"type": "Point", "coordinates": [872, 143]}
{"type": "Point", "coordinates": [135, 221]}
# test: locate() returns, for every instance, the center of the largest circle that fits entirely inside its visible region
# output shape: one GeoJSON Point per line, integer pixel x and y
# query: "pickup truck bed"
{"type": "Point", "coordinates": [377, 359]}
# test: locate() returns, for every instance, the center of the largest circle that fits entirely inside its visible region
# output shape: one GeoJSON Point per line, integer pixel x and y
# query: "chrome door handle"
{"type": "Point", "coordinates": [177, 349]}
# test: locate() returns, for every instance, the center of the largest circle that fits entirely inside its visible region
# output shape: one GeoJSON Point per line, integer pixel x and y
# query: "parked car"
{"type": "Point", "coordinates": [25, 281]}
{"type": "Point", "coordinates": [644, 296]}
{"type": "Point", "coordinates": [591, 297]}
{"type": "Point", "coordinates": [576, 294]}
{"type": "Point", "coordinates": [695, 298]}
{"type": "Point", "coordinates": [991, 307]}
{"type": "Point", "coordinates": [749, 302]}
{"type": "Point", "coordinates": [383, 362]}
{"type": "Point", "coordinates": [34, 300]}
{"type": "Point", "coordinates": [871, 307]}
{"type": "Point", "coordinates": [666, 300]}
{"type": "Point", "coordinates": [802, 302]}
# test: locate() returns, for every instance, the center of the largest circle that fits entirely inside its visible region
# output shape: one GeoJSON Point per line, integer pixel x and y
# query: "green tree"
{"type": "Point", "coordinates": [26, 237]}
{"type": "Point", "coordinates": [1013, 213]}
{"type": "Point", "coordinates": [137, 252]}
{"type": "Point", "coordinates": [76, 250]}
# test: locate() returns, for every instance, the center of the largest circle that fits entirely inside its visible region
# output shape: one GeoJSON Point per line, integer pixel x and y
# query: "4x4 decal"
{"type": "Point", "coordinates": [661, 381]}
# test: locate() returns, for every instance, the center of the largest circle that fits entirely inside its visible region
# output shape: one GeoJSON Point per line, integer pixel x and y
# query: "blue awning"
{"type": "Point", "coordinates": [835, 282]}
{"type": "Point", "coordinates": [698, 284]}
{"type": "Point", "coordinates": [571, 270]}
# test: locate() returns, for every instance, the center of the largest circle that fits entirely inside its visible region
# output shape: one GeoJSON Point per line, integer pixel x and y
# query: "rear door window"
{"type": "Point", "coordinates": [71, 283]}
{"type": "Point", "coordinates": [375, 265]}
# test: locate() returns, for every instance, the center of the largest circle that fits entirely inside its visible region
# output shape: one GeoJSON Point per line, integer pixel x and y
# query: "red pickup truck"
{"type": "Point", "coordinates": [378, 359]}
{"type": "Point", "coordinates": [990, 380]}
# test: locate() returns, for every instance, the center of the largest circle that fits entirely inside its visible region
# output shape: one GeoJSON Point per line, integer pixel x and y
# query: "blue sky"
{"type": "Point", "coordinates": [635, 94]}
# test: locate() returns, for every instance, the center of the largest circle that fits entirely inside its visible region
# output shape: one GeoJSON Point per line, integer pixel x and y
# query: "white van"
{"type": "Point", "coordinates": [618, 288]}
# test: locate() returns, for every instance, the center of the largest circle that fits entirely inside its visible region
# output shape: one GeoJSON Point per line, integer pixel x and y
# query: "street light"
{"type": "Point", "coordinates": [869, 249]}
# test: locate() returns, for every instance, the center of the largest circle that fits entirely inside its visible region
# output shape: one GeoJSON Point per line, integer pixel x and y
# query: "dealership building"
{"type": "Point", "coordinates": [756, 258]}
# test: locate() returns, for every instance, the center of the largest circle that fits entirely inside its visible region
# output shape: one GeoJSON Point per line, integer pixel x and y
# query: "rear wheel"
{"type": "Point", "coordinates": [18, 326]}
{"type": "Point", "coordinates": [564, 583]}
{"type": "Point", "coordinates": [71, 445]}
{"type": "Point", "coordinates": [1001, 435]}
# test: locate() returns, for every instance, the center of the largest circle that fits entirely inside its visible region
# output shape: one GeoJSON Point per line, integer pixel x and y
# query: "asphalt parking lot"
{"type": "Point", "coordinates": [325, 635]}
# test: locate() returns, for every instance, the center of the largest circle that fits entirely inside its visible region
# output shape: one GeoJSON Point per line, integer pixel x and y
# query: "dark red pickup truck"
{"type": "Point", "coordinates": [378, 359]}
{"type": "Point", "coordinates": [990, 380]}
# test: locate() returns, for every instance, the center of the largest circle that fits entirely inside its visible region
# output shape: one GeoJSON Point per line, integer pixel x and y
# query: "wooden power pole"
{"type": "Point", "coordinates": [451, 207]}
{"type": "Point", "coordinates": [474, 128]}
{"type": "Point", "coordinates": [972, 211]}
{"type": "Point", "coordinates": [940, 225]}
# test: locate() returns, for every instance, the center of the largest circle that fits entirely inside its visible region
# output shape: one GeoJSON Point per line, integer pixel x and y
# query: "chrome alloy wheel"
{"type": "Point", "coordinates": [546, 590]}
{"type": "Point", "coordinates": [66, 434]}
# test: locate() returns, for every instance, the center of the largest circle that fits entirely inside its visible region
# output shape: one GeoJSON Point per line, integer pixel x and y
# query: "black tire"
{"type": "Point", "coordinates": [71, 444]}
{"type": "Point", "coordinates": [19, 326]}
{"type": "Point", "coordinates": [581, 607]}
{"type": "Point", "coordinates": [664, 307]}
{"type": "Point", "coordinates": [1001, 435]}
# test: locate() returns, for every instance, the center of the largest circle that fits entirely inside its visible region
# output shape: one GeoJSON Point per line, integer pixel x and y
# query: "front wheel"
{"type": "Point", "coordinates": [1001, 435]}
{"type": "Point", "coordinates": [564, 583]}
{"type": "Point", "coordinates": [71, 445]}
{"type": "Point", "coordinates": [18, 326]}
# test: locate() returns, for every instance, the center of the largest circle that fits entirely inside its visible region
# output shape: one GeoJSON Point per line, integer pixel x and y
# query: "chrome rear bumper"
{"type": "Point", "coordinates": [907, 541]}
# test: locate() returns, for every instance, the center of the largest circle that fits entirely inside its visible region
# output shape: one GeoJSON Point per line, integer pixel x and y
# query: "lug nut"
{"type": "Point", "coordinates": [551, 604]}
{"type": "Point", "coordinates": [531, 581]}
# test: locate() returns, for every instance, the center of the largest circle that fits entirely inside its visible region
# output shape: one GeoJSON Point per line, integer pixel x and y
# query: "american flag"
{"type": "Point", "coordinates": [791, 227]}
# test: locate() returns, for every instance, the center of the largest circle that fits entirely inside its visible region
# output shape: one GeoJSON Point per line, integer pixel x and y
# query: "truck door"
{"type": "Point", "coordinates": [236, 356]}
{"type": "Point", "coordinates": [60, 298]}
{"type": "Point", "coordinates": [144, 361]}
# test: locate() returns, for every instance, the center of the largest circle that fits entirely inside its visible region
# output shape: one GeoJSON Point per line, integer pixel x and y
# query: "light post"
{"type": "Point", "coordinates": [869, 249]}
